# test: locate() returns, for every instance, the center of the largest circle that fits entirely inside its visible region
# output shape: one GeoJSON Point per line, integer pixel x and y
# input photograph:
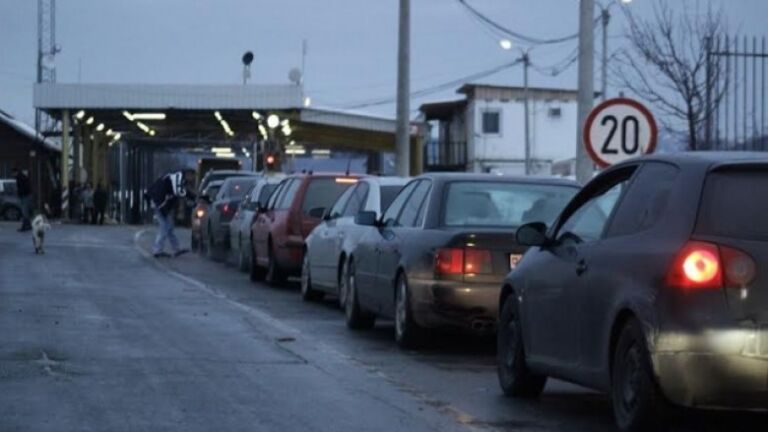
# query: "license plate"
{"type": "Point", "coordinates": [514, 259]}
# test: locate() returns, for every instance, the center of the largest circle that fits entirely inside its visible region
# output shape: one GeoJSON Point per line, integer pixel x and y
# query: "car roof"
{"type": "Point", "coordinates": [449, 176]}
{"type": "Point", "coordinates": [324, 174]}
{"type": "Point", "coordinates": [387, 181]}
{"type": "Point", "coordinates": [703, 158]}
{"type": "Point", "coordinates": [240, 179]}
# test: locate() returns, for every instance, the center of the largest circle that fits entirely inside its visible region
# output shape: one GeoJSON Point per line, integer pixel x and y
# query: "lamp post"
{"type": "Point", "coordinates": [507, 45]}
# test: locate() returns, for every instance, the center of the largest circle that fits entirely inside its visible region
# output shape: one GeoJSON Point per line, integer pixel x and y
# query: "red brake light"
{"type": "Point", "coordinates": [477, 261]}
{"type": "Point", "coordinates": [226, 208]}
{"type": "Point", "coordinates": [696, 266]}
{"type": "Point", "coordinates": [449, 261]}
{"type": "Point", "coordinates": [466, 261]}
{"type": "Point", "coordinates": [708, 265]}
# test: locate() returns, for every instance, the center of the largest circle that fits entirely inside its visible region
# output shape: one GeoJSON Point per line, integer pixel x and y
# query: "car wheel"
{"type": "Point", "coordinates": [242, 260]}
{"type": "Point", "coordinates": [408, 334]}
{"type": "Point", "coordinates": [356, 317]}
{"type": "Point", "coordinates": [638, 405]}
{"type": "Point", "coordinates": [307, 293]}
{"type": "Point", "coordinates": [274, 275]}
{"type": "Point", "coordinates": [344, 284]}
{"type": "Point", "coordinates": [514, 376]}
{"type": "Point", "coordinates": [257, 273]}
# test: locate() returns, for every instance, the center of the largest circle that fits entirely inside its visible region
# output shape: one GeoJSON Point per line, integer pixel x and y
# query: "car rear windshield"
{"type": "Point", "coordinates": [323, 192]}
{"type": "Point", "coordinates": [237, 188]}
{"type": "Point", "coordinates": [733, 206]}
{"type": "Point", "coordinates": [503, 204]}
{"type": "Point", "coordinates": [388, 194]}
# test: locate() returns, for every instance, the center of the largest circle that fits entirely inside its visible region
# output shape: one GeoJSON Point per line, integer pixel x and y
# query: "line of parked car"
{"type": "Point", "coordinates": [646, 284]}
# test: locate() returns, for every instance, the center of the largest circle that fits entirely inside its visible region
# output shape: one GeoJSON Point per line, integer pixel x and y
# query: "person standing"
{"type": "Point", "coordinates": [24, 192]}
{"type": "Point", "coordinates": [100, 203]}
{"type": "Point", "coordinates": [164, 194]}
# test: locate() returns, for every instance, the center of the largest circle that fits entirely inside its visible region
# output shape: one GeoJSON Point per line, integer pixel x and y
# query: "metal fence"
{"type": "Point", "coordinates": [735, 116]}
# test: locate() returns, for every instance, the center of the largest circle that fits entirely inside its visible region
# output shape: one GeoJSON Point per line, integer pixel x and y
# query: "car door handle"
{"type": "Point", "coordinates": [581, 267]}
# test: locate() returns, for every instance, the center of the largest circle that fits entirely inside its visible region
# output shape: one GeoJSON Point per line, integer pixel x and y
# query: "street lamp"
{"type": "Point", "coordinates": [273, 121]}
{"type": "Point", "coordinates": [507, 45]}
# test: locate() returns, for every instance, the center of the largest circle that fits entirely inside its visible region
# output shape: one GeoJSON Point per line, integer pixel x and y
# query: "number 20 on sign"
{"type": "Point", "coordinates": [619, 129]}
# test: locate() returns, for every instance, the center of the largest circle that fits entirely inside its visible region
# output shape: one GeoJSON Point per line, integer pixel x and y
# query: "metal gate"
{"type": "Point", "coordinates": [735, 116]}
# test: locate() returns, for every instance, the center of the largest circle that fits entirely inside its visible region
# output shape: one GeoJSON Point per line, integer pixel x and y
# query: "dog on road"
{"type": "Point", "coordinates": [39, 226]}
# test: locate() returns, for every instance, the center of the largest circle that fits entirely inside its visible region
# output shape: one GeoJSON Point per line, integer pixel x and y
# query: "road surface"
{"type": "Point", "coordinates": [97, 335]}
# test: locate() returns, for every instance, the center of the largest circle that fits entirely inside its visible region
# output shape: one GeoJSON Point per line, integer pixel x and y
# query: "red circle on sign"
{"type": "Point", "coordinates": [605, 104]}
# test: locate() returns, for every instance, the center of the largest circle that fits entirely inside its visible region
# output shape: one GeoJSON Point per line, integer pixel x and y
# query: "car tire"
{"type": "Point", "coordinates": [12, 214]}
{"type": "Point", "coordinates": [257, 274]}
{"type": "Point", "coordinates": [515, 378]}
{"type": "Point", "coordinates": [638, 404]}
{"type": "Point", "coordinates": [408, 334]}
{"type": "Point", "coordinates": [356, 317]}
{"type": "Point", "coordinates": [274, 276]}
{"type": "Point", "coordinates": [307, 293]}
{"type": "Point", "coordinates": [343, 284]}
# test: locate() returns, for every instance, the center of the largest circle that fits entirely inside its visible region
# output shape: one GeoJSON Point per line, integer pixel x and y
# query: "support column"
{"type": "Point", "coordinates": [65, 141]}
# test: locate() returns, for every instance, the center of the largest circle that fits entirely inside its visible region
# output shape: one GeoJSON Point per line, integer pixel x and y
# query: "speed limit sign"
{"type": "Point", "coordinates": [619, 129]}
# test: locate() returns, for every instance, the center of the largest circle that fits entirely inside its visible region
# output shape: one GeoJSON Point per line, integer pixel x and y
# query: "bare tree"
{"type": "Point", "coordinates": [668, 63]}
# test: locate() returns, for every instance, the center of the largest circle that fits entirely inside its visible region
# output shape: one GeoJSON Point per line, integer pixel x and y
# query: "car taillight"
{"type": "Point", "coordinates": [463, 261]}
{"type": "Point", "coordinates": [708, 265]}
{"type": "Point", "coordinates": [200, 213]}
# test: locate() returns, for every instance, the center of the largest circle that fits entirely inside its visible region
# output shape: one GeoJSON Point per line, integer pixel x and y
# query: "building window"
{"type": "Point", "coordinates": [491, 122]}
{"type": "Point", "coordinates": [555, 112]}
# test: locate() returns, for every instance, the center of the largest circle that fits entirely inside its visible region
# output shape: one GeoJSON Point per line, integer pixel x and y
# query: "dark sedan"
{"type": "Point", "coordinates": [215, 227]}
{"type": "Point", "coordinates": [437, 256]}
{"type": "Point", "coordinates": [650, 286]}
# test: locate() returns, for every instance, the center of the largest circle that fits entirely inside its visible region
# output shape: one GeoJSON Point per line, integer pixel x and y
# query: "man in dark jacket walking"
{"type": "Point", "coordinates": [164, 194]}
{"type": "Point", "coordinates": [24, 191]}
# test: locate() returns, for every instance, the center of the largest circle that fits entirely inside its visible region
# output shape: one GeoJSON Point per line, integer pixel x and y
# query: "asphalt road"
{"type": "Point", "coordinates": [96, 335]}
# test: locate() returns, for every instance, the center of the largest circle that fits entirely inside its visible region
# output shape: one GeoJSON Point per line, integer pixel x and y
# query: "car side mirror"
{"type": "Point", "coordinates": [366, 218]}
{"type": "Point", "coordinates": [316, 212]}
{"type": "Point", "coordinates": [532, 234]}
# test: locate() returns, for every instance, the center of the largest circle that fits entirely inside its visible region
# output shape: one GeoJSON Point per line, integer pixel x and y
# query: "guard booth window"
{"type": "Point", "coordinates": [491, 122]}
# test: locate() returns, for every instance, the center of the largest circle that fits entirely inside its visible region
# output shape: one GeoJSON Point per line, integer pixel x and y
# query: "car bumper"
{"type": "Point", "coordinates": [466, 306]}
{"type": "Point", "coordinates": [221, 234]}
{"type": "Point", "coordinates": [725, 369]}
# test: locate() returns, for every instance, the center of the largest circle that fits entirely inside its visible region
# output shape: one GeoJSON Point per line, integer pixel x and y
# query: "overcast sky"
{"type": "Point", "coordinates": [352, 43]}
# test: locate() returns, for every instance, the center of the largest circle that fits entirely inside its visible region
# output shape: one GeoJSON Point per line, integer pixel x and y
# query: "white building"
{"type": "Point", "coordinates": [485, 132]}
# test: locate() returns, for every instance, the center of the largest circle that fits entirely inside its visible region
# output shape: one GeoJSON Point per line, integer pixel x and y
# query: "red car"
{"type": "Point", "coordinates": [295, 208]}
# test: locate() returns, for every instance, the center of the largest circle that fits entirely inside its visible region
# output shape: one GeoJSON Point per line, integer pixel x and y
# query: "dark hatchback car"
{"type": "Point", "coordinates": [437, 256]}
{"type": "Point", "coordinates": [651, 285]}
{"type": "Point", "coordinates": [215, 225]}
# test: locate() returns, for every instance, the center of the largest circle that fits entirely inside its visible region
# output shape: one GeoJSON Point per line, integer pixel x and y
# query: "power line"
{"type": "Point", "coordinates": [487, 21]}
{"type": "Point", "coordinates": [439, 87]}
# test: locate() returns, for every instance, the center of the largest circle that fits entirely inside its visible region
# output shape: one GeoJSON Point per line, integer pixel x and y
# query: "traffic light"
{"type": "Point", "coordinates": [271, 162]}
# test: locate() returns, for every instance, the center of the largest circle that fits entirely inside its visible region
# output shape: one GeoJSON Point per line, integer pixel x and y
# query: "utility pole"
{"type": "Point", "coordinates": [403, 136]}
{"type": "Point", "coordinates": [605, 16]}
{"type": "Point", "coordinates": [526, 97]}
{"type": "Point", "coordinates": [584, 166]}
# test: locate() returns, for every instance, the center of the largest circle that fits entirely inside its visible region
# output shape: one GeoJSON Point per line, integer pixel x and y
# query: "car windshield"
{"type": "Point", "coordinates": [503, 204]}
{"type": "Point", "coordinates": [213, 190]}
{"type": "Point", "coordinates": [238, 187]}
{"type": "Point", "coordinates": [388, 194]}
{"type": "Point", "coordinates": [323, 192]}
{"type": "Point", "coordinates": [265, 192]}
{"type": "Point", "coordinates": [729, 207]}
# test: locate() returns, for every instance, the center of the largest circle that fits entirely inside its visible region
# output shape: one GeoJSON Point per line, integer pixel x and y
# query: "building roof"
{"type": "Point", "coordinates": [166, 96]}
{"type": "Point", "coordinates": [492, 91]}
{"type": "Point", "coordinates": [27, 131]}
{"type": "Point", "coordinates": [438, 110]}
